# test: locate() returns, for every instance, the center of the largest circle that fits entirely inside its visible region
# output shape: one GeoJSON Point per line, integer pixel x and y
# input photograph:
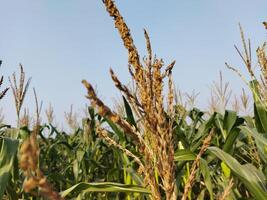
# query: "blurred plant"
{"type": "Point", "coordinates": [29, 152]}
{"type": "Point", "coordinates": [262, 61]}
{"type": "Point", "coordinates": [191, 99]}
{"type": "Point", "coordinates": [25, 119]}
{"type": "Point", "coordinates": [180, 104]}
{"type": "Point", "coordinates": [29, 162]}
{"type": "Point", "coordinates": [236, 105]}
{"type": "Point", "coordinates": [2, 116]}
{"type": "Point", "coordinates": [242, 103]}
{"type": "Point", "coordinates": [118, 105]}
{"type": "Point", "coordinates": [258, 87]}
{"type": "Point", "coordinates": [245, 102]}
{"type": "Point", "coordinates": [19, 90]}
{"type": "Point", "coordinates": [2, 93]}
{"type": "Point", "coordinates": [227, 190]}
{"type": "Point", "coordinates": [49, 112]}
{"type": "Point", "coordinates": [38, 109]}
{"type": "Point", "coordinates": [72, 118]}
{"type": "Point", "coordinates": [220, 95]}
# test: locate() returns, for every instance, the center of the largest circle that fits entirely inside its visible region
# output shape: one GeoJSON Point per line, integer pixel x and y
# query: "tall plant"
{"type": "Point", "coordinates": [153, 134]}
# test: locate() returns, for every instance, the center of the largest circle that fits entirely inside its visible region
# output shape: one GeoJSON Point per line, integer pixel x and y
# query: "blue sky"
{"type": "Point", "coordinates": [62, 42]}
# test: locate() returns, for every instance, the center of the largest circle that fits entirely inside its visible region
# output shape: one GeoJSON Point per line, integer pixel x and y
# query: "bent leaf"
{"type": "Point", "coordinates": [103, 187]}
{"type": "Point", "coordinates": [252, 178]}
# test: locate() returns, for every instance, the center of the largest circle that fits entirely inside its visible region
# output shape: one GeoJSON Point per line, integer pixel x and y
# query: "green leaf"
{"type": "Point", "coordinates": [184, 155]}
{"type": "Point", "coordinates": [260, 139]}
{"type": "Point", "coordinates": [76, 169]}
{"type": "Point", "coordinates": [226, 170]}
{"type": "Point", "coordinates": [230, 140]}
{"type": "Point", "coordinates": [8, 151]}
{"type": "Point", "coordinates": [254, 86]}
{"type": "Point", "coordinates": [252, 178]}
{"type": "Point", "coordinates": [260, 117]}
{"type": "Point", "coordinates": [202, 132]}
{"type": "Point", "coordinates": [129, 113]}
{"type": "Point", "coordinates": [91, 112]}
{"type": "Point", "coordinates": [12, 133]}
{"type": "Point", "coordinates": [260, 111]}
{"type": "Point", "coordinates": [201, 196]}
{"type": "Point", "coordinates": [254, 134]}
{"type": "Point", "coordinates": [116, 130]}
{"type": "Point", "coordinates": [229, 120]}
{"type": "Point", "coordinates": [249, 121]}
{"type": "Point", "coordinates": [205, 171]}
{"type": "Point", "coordinates": [102, 187]}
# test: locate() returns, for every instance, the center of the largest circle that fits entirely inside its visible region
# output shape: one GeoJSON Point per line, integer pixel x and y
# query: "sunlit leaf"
{"type": "Point", "coordinates": [102, 187]}
{"type": "Point", "coordinates": [8, 150]}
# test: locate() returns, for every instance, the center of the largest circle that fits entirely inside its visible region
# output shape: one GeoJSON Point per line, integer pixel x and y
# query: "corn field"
{"type": "Point", "coordinates": [153, 147]}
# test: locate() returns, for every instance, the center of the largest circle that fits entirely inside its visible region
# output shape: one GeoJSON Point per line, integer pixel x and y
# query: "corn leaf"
{"type": "Point", "coordinates": [184, 155]}
{"type": "Point", "coordinates": [129, 112]}
{"type": "Point", "coordinates": [252, 178]}
{"type": "Point", "coordinates": [102, 187]}
{"type": "Point", "coordinates": [230, 140]}
{"type": "Point", "coordinates": [260, 138]}
{"type": "Point", "coordinates": [8, 150]}
{"type": "Point", "coordinates": [229, 120]}
{"type": "Point", "coordinates": [260, 117]}
{"type": "Point", "coordinates": [205, 171]}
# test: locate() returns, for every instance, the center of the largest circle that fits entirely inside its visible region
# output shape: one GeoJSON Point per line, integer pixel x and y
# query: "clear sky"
{"type": "Point", "coordinates": [61, 42]}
